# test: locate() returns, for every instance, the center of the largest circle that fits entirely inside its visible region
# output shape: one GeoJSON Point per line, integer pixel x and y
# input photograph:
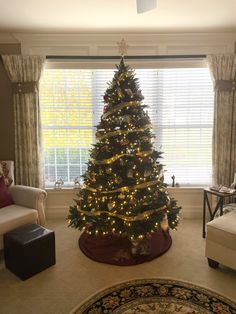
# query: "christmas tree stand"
{"type": "Point", "coordinates": [121, 251]}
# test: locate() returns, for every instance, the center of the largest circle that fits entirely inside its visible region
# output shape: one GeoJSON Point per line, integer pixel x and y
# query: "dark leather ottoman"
{"type": "Point", "coordinates": [29, 249]}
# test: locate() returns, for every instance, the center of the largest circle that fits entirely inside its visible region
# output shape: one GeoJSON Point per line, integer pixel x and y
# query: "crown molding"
{"type": "Point", "coordinates": [7, 38]}
{"type": "Point", "coordinates": [139, 44]}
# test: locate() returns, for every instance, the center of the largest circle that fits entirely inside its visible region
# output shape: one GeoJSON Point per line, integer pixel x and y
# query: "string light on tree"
{"type": "Point", "coordinates": [124, 177]}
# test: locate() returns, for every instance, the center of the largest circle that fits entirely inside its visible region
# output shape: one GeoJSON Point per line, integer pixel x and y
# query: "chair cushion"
{"type": "Point", "coordinates": [14, 216]}
{"type": "Point", "coordinates": [222, 230]}
{"type": "Point", "coordinates": [5, 197]}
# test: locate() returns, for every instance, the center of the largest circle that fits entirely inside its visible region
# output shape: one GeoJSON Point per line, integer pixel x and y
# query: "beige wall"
{"type": "Point", "coordinates": [6, 107]}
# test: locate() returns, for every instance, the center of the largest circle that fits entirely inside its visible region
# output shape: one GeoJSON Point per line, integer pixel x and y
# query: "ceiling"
{"type": "Point", "coordinates": [93, 16]}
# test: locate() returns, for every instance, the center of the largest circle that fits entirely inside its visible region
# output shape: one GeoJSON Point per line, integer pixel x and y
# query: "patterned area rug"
{"type": "Point", "coordinates": [156, 296]}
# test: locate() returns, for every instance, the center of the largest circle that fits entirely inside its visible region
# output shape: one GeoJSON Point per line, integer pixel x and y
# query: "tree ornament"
{"type": "Point", "coordinates": [132, 201]}
{"type": "Point", "coordinates": [110, 205]}
{"type": "Point", "coordinates": [104, 148]}
{"type": "Point", "coordinates": [117, 120]}
{"type": "Point", "coordinates": [156, 194]}
{"type": "Point", "coordinates": [89, 199]}
{"type": "Point", "coordinates": [119, 92]}
{"type": "Point", "coordinates": [130, 174]}
{"type": "Point", "coordinates": [124, 142]}
{"type": "Point", "coordinates": [164, 223]}
{"type": "Point", "coordinates": [147, 173]}
{"type": "Point", "coordinates": [122, 162]}
{"type": "Point", "coordinates": [108, 170]}
{"type": "Point", "coordinates": [129, 91]}
{"type": "Point", "coordinates": [118, 180]}
{"type": "Point", "coordinates": [121, 196]}
{"type": "Point", "coordinates": [126, 118]}
{"type": "Point", "coordinates": [121, 77]}
{"type": "Point", "coordinates": [146, 139]}
{"type": "Point", "coordinates": [104, 109]}
{"type": "Point", "coordinates": [93, 176]}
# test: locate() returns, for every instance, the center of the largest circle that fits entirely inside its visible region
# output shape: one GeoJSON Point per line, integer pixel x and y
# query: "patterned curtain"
{"type": "Point", "coordinates": [25, 72]}
{"type": "Point", "coordinates": [223, 70]}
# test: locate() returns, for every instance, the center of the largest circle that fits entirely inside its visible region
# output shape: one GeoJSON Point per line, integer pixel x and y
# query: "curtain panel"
{"type": "Point", "coordinates": [223, 70]}
{"type": "Point", "coordinates": [24, 73]}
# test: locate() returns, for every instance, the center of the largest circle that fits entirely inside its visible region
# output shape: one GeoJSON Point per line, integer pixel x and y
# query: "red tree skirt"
{"type": "Point", "coordinates": [117, 250]}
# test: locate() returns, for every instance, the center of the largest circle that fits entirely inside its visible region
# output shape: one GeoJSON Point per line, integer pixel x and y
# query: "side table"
{"type": "Point", "coordinates": [212, 211]}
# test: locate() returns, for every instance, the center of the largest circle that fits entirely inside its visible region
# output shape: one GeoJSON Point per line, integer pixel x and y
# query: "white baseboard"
{"type": "Point", "coordinates": [54, 212]}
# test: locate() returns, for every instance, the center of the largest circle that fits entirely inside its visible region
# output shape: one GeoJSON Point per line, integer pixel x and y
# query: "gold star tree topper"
{"type": "Point", "coordinates": [123, 47]}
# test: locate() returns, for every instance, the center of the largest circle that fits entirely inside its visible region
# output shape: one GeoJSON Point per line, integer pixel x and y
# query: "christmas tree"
{"type": "Point", "coordinates": [124, 193]}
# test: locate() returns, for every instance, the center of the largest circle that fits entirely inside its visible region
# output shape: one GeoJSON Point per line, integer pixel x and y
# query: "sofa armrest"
{"type": "Point", "coordinates": [30, 197]}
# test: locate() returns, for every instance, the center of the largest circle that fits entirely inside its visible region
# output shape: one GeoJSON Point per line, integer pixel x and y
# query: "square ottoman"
{"type": "Point", "coordinates": [221, 241]}
{"type": "Point", "coordinates": [28, 250]}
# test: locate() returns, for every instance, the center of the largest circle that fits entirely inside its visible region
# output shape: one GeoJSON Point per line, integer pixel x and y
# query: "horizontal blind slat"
{"type": "Point", "coordinates": [180, 105]}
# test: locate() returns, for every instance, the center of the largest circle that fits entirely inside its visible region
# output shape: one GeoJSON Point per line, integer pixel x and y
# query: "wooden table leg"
{"type": "Point", "coordinates": [221, 206]}
{"type": "Point", "coordinates": [204, 215]}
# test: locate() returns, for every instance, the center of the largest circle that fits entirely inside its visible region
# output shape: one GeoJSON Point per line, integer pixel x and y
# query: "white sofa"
{"type": "Point", "coordinates": [28, 207]}
{"type": "Point", "coordinates": [221, 241]}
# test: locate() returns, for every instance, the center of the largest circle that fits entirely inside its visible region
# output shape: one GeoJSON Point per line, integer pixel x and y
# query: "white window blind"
{"type": "Point", "coordinates": [180, 104]}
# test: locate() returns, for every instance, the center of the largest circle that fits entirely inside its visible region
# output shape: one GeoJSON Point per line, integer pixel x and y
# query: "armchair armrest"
{"type": "Point", "coordinates": [30, 197]}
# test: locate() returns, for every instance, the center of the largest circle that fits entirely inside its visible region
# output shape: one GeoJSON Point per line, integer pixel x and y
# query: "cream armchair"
{"type": "Point", "coordinates": [221, 241]}
{"type": "Point", "coordinates": [28, 207]}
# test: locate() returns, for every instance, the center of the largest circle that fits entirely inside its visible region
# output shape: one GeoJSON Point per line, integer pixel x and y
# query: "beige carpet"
{"type": "Point", "coordinates": [75, 277]}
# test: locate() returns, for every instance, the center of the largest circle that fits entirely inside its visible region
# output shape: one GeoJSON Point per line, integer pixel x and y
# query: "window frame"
{"type": "Point", "coordinates": [136, 64]}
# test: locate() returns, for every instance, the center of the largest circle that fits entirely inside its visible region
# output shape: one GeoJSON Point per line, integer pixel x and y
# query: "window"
{"type": "Point", "coordinates": [180, 104]}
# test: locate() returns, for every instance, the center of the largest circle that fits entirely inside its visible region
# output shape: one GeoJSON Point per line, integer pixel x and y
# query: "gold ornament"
{"type": "Point", "coordinates": [147, 173]}
{"type": "Point", "coordinates": [121, 196]}
{"type": "Point", "coordinates": [118, 180]}
{"type": "Point", "coordinates": [110, 205]}
{"type": "Point", "coordinates": [164, 223]}
{"type": "Point", "coordinates": [121, 76]}
{"type": "Point", "coordinates": [108, 170]}
{"type": "Point", "coordinates": [119, 92]}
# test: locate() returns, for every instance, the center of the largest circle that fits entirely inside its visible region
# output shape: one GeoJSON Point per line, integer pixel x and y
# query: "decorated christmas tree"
{"type": "Point", "coordinates": [124, 194]}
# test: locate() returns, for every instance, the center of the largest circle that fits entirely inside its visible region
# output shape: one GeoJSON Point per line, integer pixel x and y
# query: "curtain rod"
{"type": "Point", "coordinates": [157, 57]}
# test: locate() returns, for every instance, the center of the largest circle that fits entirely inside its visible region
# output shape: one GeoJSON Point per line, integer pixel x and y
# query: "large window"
{"type": "Point", "coordinates": [180, 104]}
